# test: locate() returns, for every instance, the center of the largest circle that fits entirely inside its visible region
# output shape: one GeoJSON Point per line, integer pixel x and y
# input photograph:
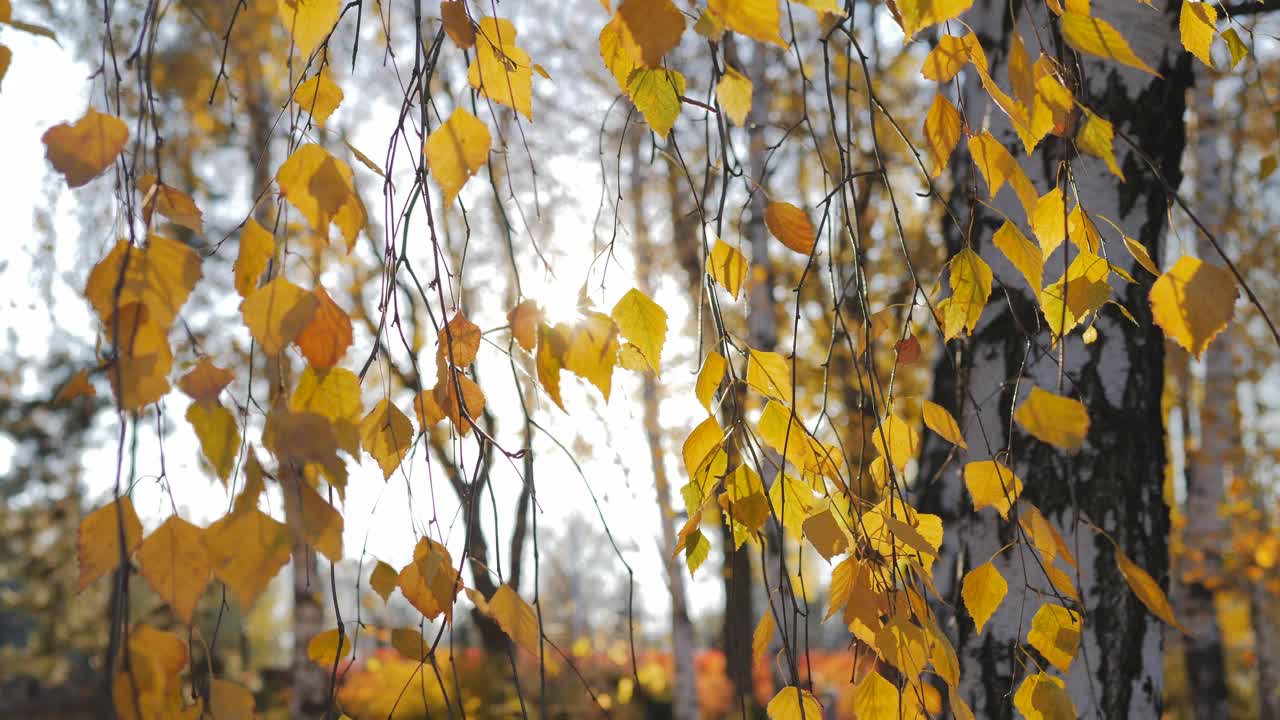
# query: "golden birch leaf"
{"type": "Point", "coordinates": [410, 643]}
{"type": "Point", "coordinates": [430, 583]}
{"type": "Point", "coordinates": [702, 451]}
{"type": "Point", "coordinates": [696, 550]}
{"type": "Point", "coordinates": [218, 434]}
{"type": "Point", "coordinates": [1049, 221]}
{"type": "Point", "coordinates": [1235, 45]}
{"type": "Point", "coordinates": [1043, 535]}
{"type": "Point", "coordinates": [593, 351]}
{"type": "Point", "coordinates": [81, 152]}
{"type": "Point", "coordinates": [1022, 253]}
{"type": "Point", "coordinates": [461, 414]}
{"type": "Point", "coordinates": [941, 132]}
{"type": "Point", "coordinates": [970, 278]}
{"type": "Point", "coordinates": [322, 188]}
{"type": "Point", "coordinates": [791, 225]}
{"type": "Point", "coordinates": [709, 25]}
{"type": "Point", "coordinates": [614, 53]}
{"type": "Point", "coordinates": [656, 94]}
{"type": "Point", "coordinates": [769, 374]}
{"type": "Point", "coordinates": [319, 96]}
{"type": "Point", "coordinates": [327, 647]}
{"type": "Point", "coordinates": [314, 520]}
{"type": "Point", "coordinates": [727, 266]}
{"type": "Point", "coordinates": [453, 13]}
{"type": "Point", "coordinates": [1044, 697]}
{"type": "Point", "coordinates": [1095, 137]}
{"type": "Point", "coordinates": [230, 701]}
{"type": "Point", "coordinates": [160, 277]}
{"type": "Point", "coordinates": [276, 313]}
{"type": "Point", "coordinates": [326, 338]}
{"type": "Point", "coordinates": [78, 386]}
{"type": "Point", "coordinates": [1096, 36]}
{"type": "Point", "coordinates": [248, 547]}
{"type": "Point", "coordinates": [523, 320]}
{"type": "Point", "coordinates": [920, 14]}
{"type": "Point", "coordinates": [643, 322]}
{"type": "Point", "coordinates": [788, 704]}
{"type": "Point", "coordinates": [1086, 291]}
{"type": "Point", "coordinates": [1062, 422]}
{"type": "Point", "coordinates": [171, 203]}
{"type": "Point", "coordinates": [1021, 78]}
{"type": "Point", "coordinates": [1192, 302]}
{"type": "Point", "coordinates": [940, 420]}
{"type": "Point", "coordinates": [176, 564]}
{"type": "Point", "coordinates": [763, 635]}
{"type": "Point", "coordinates": [257, 247]}
{"type": "Point", "coordinates": [334, 395]}
{"type": "Point", "coordinates": [457, 150]}
{"type": "Point", "coordinates": [309, 22]}
{"type": "Point", "coordinates": [896, 441]}
{"type": "Point", "coordinates": [824, 533]}
{"type": "Point", "coordinates": [950, 56]}
{"type": "Point", "coordinates": [458, 343]}
{"type": "Point", "coordinates": [785, 433]}
{"type": "Point", "coordinates": [992, 484]}
{"type": "Point", "coordinates": [516, 618]}
{"type": "Point", "coordinates": [983, 590]}
{"type": "Point", "coordinates": [427, 409]}
{"type": "Point", "coordinates": [1055, 632]}
{"type": "Point", "coordinates": [875, 697]}
{"type": "Point", "coordinates": [6, 57]}
{"type": "Point", "coordinates": [553, 345]}
{"type": "Point", "coordinates": [733, 92]}
{"type": "Point", "coordinates": [998, 167]}
{"type": "Point", "coordinates": [757, 19]}
{"type": "Point", "coordinates": [387, 435]}
{"type": "Point", "coordinates": [384, 580]}
{"type": "Point", "coordinates": [1139, 253]}
{"type": "Point", "coordinates": [139, 373]}
{"type": "Point", "coordinates": [1147, 590]}
{"type": "Point", "coordinates": [98, 540]}
{"type": "Point", "coordinates": [709, 377]}
{"type": "Point", "coordinates": [501, 70]}
{"type": "Point", "coordinates": [650, 29]}
{"type": "Point", "coordinates": [1196, 25]}
{"type": "Point", "coordinates": [205, 381]}
{"type": "Point", "coordinates": [1082, 232]}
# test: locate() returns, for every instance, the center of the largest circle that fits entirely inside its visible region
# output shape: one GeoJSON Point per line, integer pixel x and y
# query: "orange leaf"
{"type": "Point", "coordinates": [326, 338]}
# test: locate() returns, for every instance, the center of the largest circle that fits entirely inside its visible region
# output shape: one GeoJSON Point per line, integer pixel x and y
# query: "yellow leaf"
{"type": "Point", "coordinates": [1082, 231]}
{"type": "Point", "coordinates": [205, 381]}
{"type": "Point", "coordinates": [159, 276]}
{"type": "Point", "coordinates": [1095, 138]}
{"type": "Point", "coordinates": [1147, 590]}
{"type": "Point", "coordinates": [757, 19]}
{"type": "Point", "coordinates": [1022, 253]}
{"type": "Point", "coordinates": [276, 313]}
{"type": "Point", "coordinates": [319, 96]}
{"type": "Point", "coordinates": [457, 150]}
{"type": "Point", "coordinates": [1139, 253]}
{"type": "Point", "coordinates": [920, 14]}
{"type": "Point", "coordinates": [327, 647]}
{"type": "Point", "coordinates": [151, 687]}
{"type": "Point", "coordinates": [1055, 632]}
{"type": "Point", "coordinates": [703, 452]}
{"type": "Point", "coordinates": [257, 247]}
{"type": "Point", "coordinates": [176, 564]}
{"type": "Point", "coordinates": [1086, 291]}
{"type": "Point", "coordinates": [461, 414]}
{"type": "Point", "coordinates": [644, 323]}
{"type": "Point", "coordinates": [458, 342]}
{"type": "Point", "coordinates": [593, 350]}
{"type": "Point", "coordinates": [523, 320]}
{"type": "Point", "coordinates": [322, 188]}
{"type": "Point", "coordinates": [983, 590]}
{"type": "Point", "coordinates": [171, 203]}
{"type": "Point", "coordinates": [229, 701]}
{"type": "Point", "coordinates": [6, 57]}
{"type": "Point", "coordinates": [650, 29]}
{"type": "Point", "coordinates": [1237, 47]}
{"type": "Point", "coordinates": [733, 92]}
{"type": "Point", "coordinates": [427, 409]}
{"type": "Point", "coordinates": [1021, 77]}
{"type": "Point", "coordinates": [696, 549]}
{"type": "Point", "coordinates": [453, 13]}
{"type": "Point", "coordinates": [1096, 36]}
{"type": "Point", "coordinates": [313, 519]}
{"type": "Point", "coordinates": [1049, 221]}
{"type": "Point", "coordinates": [334, 395]}
{"type": "Point", "coordinates": [786, 434]}
{"type": "Point", "coordinates": [792, 501]}
{"type": "Point", "coordinates": [896, 441]}
{"type": "Point", "coordinates": [309, 21]}
{"type": "Point", "coordinates": [824, 533]}
{"type": "Point", "coordinates": [517, 618]}
{"type": "Point", "coordinates": [769, 374]}
{"type": "Point", "coordinates": [792, 703]}
{"type": "Point", "coordinates": [430, 582]}
{"type": "Point", "coordinates": [81, 152]}
{"type": "Point", "coordinates": [992, 484]}
{"type": "Point", "coordinates": [727, 266]}
{"type": "Point", "coordinates": [218, 434]}
{"type": "Point", "coordinates": [326, 338]}
{"type": "Point", "coordinates": [791, 225]}
{"type": "Point", "coordinates": [1193, 302]}
{"type": "Point", "coordinates": [970, 288]}
{"type": "Point", "coordinates": [139, 373]}
{"type": "Point", "coordinates": [617, 58]}
{"type": "Point", "coordinates": [941, 132]}
{"type": "Point", "coordinates": [1043, 535]}
{"type": "Point", "coordinates": [1062, 422]}
{"type": "Point", "coordinates": [656, 94]}
{"type": "Point", "coordinates": [876, 697]}
{"type": "Point", "coordinates": [99, 539]}
{"type": "Point", "coordinates": [387, 435]}
{"type": "Point", "coordinates": [1044, 697]}
{"type": "Point", "coordinates": [410, 643]}
{"type": "Point", "coordinates": [384, 580]}
{"type": "Point", "coordinates": [998, 166]}
{"type": "Point", "coordinates": [501, 70]}
{"type": "Point", "coordinates": [763, 635]}
{"type": "Point", "coordinates": [553, 345]}
{"type": "Point", "coordinates": [78, 386]}
{"type": "Point", "coordinates": [950, 56]}
{"type": "Point", "coordinates": [709, 377]}
{"type": "Point", "coordinates": [1196, 25]}
{"type": "Point", "coordinates": [248, 547]}
{"type": "Point", "coordinates": [939, 420]}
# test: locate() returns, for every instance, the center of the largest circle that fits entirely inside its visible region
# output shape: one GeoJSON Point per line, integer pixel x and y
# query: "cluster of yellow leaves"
{"type": "Point", "coordinates": [150, 685]}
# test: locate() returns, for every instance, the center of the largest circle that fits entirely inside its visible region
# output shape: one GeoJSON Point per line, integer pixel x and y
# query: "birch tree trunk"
{"type": "Point", "coordinates": [1115, 480]}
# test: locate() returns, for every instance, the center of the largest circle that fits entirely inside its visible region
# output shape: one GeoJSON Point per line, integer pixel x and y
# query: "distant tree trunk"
{"type": "Point", "coordinates": [684, 703]}
{"type": "Point", "coordinates": [1208, 466]}
{"type": "Point", "coordinates": [1115, 481]}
